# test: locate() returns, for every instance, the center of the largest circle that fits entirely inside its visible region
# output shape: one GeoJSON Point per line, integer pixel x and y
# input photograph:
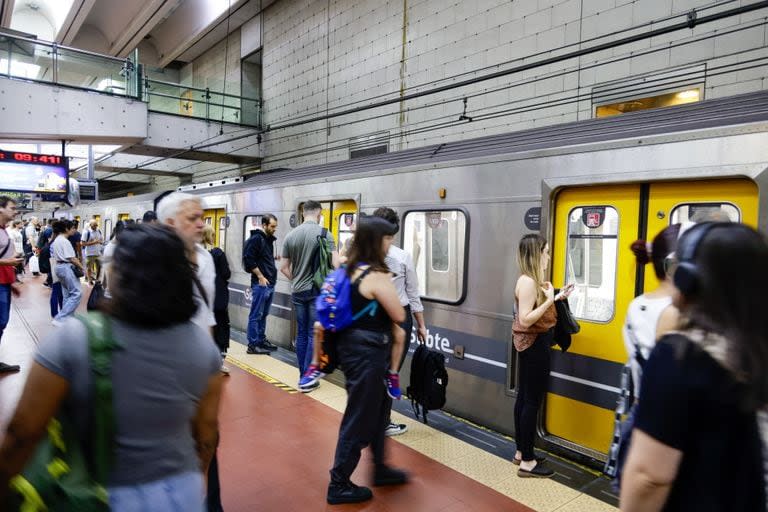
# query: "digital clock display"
{"type": "Point", "coordinates": [30, 172]}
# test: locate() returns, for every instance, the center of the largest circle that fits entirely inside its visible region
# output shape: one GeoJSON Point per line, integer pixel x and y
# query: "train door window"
{"type": "Point", "coordinates": [250, 224]}
{"type": "Point", "coordinates": [339, 217]}
{"type": "Point", "coordinates": [703, 212]}
{"type": "Point", "coordinates": [591, 261]}
{"type": "Point", "coordinates": [107, 228]}
{"type": "Point", "coordinates": [436, 240]}
{"type": "Point", "coordinates": [123, 216]}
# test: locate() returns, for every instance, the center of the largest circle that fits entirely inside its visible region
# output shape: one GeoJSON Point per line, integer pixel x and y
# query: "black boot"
{"type": "Point", "coordinates": [347, 493]}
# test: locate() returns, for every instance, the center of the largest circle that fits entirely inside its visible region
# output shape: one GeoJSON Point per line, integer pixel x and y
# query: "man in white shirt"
{"type": "Point", "coordinates": [92, 243]}
{"type": "Point", "coordinates": [63, 262]}
{"type": "Point", "coordinates": [406, 283]}
{"type": "Point", "coordinates": [184, 213]}
{"type": "Point", "coordinates": [30, 233]}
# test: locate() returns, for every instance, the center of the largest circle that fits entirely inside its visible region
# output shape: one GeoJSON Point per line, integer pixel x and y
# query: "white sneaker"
{"type": "Point", "coordinates": [395, 429]}
{"type": "Point", "coordinates": [224, 369]}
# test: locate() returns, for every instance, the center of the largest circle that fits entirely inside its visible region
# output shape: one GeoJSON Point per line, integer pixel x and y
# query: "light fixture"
{"type": "Point", "coordinates": [689, 95]}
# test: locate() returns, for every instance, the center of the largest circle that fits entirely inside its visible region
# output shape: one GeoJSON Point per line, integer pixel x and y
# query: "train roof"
{"type": "Point", "coordinates": [721, 112]}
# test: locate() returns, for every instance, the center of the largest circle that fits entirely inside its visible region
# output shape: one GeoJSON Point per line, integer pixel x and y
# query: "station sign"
{"type": "Point", "coordinates": [34, 173]}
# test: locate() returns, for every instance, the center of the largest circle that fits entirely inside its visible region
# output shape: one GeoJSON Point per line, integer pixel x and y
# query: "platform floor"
{"type": "Point", "coordinates": [277, 444]}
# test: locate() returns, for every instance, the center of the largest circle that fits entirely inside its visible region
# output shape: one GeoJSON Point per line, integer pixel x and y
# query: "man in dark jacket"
{"type": "Point", "coordinates": [259, 261]}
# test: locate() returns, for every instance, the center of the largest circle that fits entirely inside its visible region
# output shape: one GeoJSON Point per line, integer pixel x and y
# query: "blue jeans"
{"type": "Point", "coordinates": [261, 301]}
{"type": "Point", "coordinates": [5, 307]}
{"type": "Point", "coordinates": [304, 306]}
{"type": "Point", "coordinates": [57, 299]}
{"type": "Point", "coordinates": [70, 285]}
{"type": "Point", "coordinates": [178, 493]}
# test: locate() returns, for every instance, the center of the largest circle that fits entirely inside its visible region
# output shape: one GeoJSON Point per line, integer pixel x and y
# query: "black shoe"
{"type": "Point", "coordinates": [347, 493]}
{"type": "Point", "coordinates": [538, 471]}
{"type": "Point", "coordinates": [385, 475]}
{"type": "Point", "coordinates": [269, 345]}
{"type": "Point", "coordinates": [257, 349]}
{"type": "Point", "coordinates": [9, 368]}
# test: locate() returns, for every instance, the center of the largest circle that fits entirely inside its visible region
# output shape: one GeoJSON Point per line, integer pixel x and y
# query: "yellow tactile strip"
{"type": "Point", "coordinates": [488, 469]}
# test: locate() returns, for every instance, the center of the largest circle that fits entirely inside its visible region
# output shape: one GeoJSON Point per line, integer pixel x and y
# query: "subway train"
{"type": "Point", "coordinates": [591, 187]}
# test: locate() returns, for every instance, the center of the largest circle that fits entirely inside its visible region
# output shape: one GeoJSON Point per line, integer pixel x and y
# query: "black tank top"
{"type": "Point", "coordinates": [380, 321]}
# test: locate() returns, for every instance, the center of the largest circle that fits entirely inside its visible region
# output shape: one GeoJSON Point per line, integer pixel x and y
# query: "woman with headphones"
{"type": "Point", "coordinates": [701, 425]}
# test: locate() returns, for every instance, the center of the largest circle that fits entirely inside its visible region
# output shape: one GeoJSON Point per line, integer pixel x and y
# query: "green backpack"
{"type": "Point", "coordinates": [322, 260]}
{"type": "Point", "coordinates": [60, 476]}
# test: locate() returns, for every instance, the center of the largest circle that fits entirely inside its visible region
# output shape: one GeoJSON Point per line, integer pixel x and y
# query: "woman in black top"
{"type": "Point", "coordinates": [701, 424]}
{"type": "Point", "coordinates": [362, 351]}
{"type": "Point", "coordinates": [221, 330]}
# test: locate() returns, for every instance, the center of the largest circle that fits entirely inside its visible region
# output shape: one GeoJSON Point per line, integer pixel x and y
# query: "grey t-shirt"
{"type": "Point", "coordinates": [299, 246]}
{"type": "Point", "coordinates": [158, 378]}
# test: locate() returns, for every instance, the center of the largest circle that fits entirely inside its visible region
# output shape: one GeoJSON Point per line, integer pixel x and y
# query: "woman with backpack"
{"type": "Point", "coordinates": [702, 424]}
{"type": "Point", "coordinates": [164, 409]}
{"type": "Point", "coordinates": [363, 352]}
{"type": "Point", "coordinates": [533, 333]}
{"type": "Point", "coordinates": [221, 330]}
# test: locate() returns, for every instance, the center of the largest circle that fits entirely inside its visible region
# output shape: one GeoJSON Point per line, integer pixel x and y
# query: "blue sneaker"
{"type": "Point", "coordinates": [392, 381]}
{"type": "Point", "coordinates": [311, 378]}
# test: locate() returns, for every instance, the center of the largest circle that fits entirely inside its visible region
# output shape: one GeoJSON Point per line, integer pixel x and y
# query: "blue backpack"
{"type": "Point", "coordinates": [334, 304]}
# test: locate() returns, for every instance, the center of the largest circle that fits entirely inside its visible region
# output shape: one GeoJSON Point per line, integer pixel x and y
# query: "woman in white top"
{"type": "Point", "coordinates": [651, 314]}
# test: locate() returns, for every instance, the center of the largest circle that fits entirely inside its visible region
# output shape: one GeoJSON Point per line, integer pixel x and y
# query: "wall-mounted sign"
{"type": "Point", "coordinates": [292, 220]}
{"type": "Point", "coordinates": [30, 172]}
{"type": "Point", "coordinates": [434, 219]}
{"type": "Point", "coordinates": [593, 217]}
{"type": "Point", "coordinates": [532, 218]}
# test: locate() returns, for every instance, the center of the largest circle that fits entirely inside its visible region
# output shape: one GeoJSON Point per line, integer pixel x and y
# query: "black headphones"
{"type": "Point", "coordinates": [687, 278]}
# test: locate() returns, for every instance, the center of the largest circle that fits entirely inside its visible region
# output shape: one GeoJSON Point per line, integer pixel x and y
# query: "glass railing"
{"type": "Point", "coordinates": [185, 100]}
{"type": "Point", "coordinates": [28, 59]}
{"type": "Point", "coordinates": [42, 61]}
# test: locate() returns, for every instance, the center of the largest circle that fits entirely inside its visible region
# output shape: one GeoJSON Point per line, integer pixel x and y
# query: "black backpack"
{"type": "Point", "coordinates": [429, 381]}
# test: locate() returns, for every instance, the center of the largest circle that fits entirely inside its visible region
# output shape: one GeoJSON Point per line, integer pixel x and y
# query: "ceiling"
{"type": "Point", "coordinates": [164, 31]}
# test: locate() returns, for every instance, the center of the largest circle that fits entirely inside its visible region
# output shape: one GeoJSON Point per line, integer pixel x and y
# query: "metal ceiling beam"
{"type": "Point", "coordinates": [152, 13]}
{"type": "Point", "coordinates": [74, 21]}
{"type": "Point", "coordinates": [6, 11]}
{"type": "Point", "coordinates": [143, 172]}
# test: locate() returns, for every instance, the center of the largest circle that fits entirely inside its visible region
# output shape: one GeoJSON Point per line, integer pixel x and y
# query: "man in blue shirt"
{"type": "Point", "coordinates": [259, 261]}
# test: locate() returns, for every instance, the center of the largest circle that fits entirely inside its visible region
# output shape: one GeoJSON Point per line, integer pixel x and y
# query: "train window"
{"type": "Point", "coordinates": [703, 212]}
{"type": "Point", "coordinates": [250, 225]}
{"type": "Point", "coordinates": [436, 240]}
{"type": "Point", "coordinates": [593, 233]}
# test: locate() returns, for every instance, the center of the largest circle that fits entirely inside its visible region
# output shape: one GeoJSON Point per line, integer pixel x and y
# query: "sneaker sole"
{"type": "Point", "coordinates": [396, 433]}
{"type": "Point", "coordinates": [308, 390]}
{"type": "Point", "coordinates": [339, 501]}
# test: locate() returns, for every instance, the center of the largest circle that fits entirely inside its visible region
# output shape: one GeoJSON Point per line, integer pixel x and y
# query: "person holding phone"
{"type": "Point", "coordinates": [533, 332]}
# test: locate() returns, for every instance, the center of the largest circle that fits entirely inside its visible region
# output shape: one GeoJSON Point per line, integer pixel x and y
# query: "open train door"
{"type": "Point", "coordinates": [593, 229]}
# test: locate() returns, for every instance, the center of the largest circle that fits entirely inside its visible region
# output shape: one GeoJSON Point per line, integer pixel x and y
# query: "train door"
{"type": "Point", "coordinates": [123, 216]}
{"type": "Point", "coordinates": [594, 227]}
{"type": "Point", "coordinates": [217, 219]}
{"type": "Point", "coordinates": [340, 218]}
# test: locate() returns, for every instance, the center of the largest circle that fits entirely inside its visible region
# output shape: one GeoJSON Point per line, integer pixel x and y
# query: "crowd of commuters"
{"type": "Point", "coordinates": [697, 348]}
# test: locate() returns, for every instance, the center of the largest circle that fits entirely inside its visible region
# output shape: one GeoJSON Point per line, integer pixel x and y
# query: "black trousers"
{"type": "Point", "coordinates": [532, 385]}
{"type": "Point", "coordinates": [221, 330]}
{"type": "Point", "coordinates": [362, 355]}
{"type": "Point", "coordinates": [213, 494]}
{"type": "Point", "coordinates": [407, 326]}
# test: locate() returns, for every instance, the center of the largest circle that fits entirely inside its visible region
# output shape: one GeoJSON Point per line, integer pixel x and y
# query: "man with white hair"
{"type": "Point", "coordinates": [184, 213]}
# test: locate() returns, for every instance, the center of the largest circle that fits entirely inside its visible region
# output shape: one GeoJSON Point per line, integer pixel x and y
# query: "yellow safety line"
{"type": "Point", "coordinates": [263, 376]}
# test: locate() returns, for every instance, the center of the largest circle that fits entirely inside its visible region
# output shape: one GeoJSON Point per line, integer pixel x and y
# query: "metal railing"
{"type": "Point", "coordinates": [185, 100]}
{"type": "Point", "coordinates": [46, 62]}
{"type": "Point", "coordinates": [29, 59]}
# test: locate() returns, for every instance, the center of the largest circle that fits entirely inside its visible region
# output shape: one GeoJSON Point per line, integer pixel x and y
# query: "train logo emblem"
{"type": "Point", "coordinates": [349, 220]}
{"type": "Point", "coordinates": [593, 220]}
{"type": "Point", "coordinates": [248, 296]}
